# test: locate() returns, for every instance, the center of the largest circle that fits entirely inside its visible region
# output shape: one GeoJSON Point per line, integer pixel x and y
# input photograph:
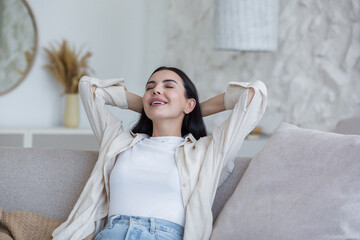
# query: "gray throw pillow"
{"type": "Point", "coordinates": [304, 184]}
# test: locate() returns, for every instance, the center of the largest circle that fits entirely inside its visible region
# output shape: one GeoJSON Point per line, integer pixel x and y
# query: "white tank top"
{"type": "Point", "coordinates": [145, 181]}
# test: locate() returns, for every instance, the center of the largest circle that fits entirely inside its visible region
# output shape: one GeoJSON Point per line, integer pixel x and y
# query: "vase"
{"type": "Point", "coordinates": [71, 117]}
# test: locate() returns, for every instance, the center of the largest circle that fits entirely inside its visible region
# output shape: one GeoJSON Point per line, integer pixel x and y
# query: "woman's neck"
{"type": "Point", "coordinates": [166, 128]}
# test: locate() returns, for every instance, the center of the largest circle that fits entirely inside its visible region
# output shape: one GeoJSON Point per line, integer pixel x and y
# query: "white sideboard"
{"type": "Point", "coordinates": [83, 139]}
{"type": "Point", "coordinates": [59, 138]}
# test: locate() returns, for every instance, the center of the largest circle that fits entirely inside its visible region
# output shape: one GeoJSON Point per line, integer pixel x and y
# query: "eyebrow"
{"type": "Point", "coordinates": [164, 81]}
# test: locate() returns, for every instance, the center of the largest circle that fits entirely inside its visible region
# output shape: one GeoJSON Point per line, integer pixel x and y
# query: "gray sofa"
{"type": "Point", "coordinates": [49, 181]}
{"type": "Point", "coordinates": [304, 184]}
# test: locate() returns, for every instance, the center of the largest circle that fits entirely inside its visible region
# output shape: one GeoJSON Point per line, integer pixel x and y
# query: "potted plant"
{"type": "Point", "coordinates": [68, 66]}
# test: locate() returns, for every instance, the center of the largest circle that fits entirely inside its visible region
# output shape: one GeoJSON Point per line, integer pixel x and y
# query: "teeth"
{"type": "Point", "coordinates": [157, 102]}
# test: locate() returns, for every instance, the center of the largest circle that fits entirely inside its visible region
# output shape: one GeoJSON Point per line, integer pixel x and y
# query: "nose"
{"type": "Point", "coordinates": [156, 90]}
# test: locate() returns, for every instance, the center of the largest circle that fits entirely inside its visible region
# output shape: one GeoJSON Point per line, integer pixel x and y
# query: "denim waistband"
{"type": "Point", "coordinates": [150, 222]}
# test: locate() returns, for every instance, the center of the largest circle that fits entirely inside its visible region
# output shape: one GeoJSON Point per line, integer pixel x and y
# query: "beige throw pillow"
{"type": "Point", "coordinates": [304, 184]}
{"type": "Point", "coordinates": [21, 225]}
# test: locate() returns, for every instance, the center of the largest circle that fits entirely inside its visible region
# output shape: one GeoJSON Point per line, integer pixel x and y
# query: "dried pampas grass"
{"type": "Point", "coordinates": [67, 65]}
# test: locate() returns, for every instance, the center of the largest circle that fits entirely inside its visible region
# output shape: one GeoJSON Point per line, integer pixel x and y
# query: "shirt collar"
{"type": "Point", "coordinates": [189, 138]}
{"type": "Point", "coordinates": [138, 136]}
{"type": "Point", "coordinates": [133, 134]}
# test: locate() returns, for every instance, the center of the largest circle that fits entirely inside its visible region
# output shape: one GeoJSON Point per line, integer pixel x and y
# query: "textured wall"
{"type": "Point", "coordinates": [313, 79]}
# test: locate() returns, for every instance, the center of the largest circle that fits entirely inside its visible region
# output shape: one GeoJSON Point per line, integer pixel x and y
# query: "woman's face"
{"type": "Point", "coordinates": [164, 97]}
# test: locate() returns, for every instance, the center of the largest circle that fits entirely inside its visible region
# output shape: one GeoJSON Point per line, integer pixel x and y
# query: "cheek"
{"type": "Point", "coordinates": [145, 98]}
{"type": "Point", "coordinates": [179, 100]}
{"type": "Point", "coordinates": [176, 96]}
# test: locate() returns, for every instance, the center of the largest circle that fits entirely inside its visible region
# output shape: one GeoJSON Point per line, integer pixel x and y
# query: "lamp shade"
{"type": "Point", "coordinates": [246, 25]}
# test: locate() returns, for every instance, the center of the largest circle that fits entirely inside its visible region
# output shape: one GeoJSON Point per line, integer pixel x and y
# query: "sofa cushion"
{"type": "Point", "coordinates": [348, 126]}
{"type": "Point", "coordinates": [43, 181]}
{"type": "Point", "coordinates": [304, 184]}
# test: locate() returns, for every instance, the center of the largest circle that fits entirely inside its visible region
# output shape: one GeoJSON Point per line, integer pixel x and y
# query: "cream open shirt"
{"type": "Point", "coordinates": [199, 162]}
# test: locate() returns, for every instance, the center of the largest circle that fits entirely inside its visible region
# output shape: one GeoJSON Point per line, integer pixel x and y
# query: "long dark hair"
{"type": "Point", "coordinates": [192, 123]}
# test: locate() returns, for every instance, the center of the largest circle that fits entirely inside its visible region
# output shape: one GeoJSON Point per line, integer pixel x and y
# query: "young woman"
{"type": "Point", "coordinates": [159, 180]}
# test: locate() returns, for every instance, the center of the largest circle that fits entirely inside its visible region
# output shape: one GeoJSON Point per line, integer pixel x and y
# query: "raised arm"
{"type": "Point", "coordinates": [247, 102]}
{"type": "Point", "coordinates": [95, 99]}
{"type": "Point", "coordinates": [134, 101]}
{"type": "Point", "coordinates": [217, 104]}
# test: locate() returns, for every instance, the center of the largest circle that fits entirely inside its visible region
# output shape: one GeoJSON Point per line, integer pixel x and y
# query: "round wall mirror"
{"type": "Point", "coordinates": [18, 43]}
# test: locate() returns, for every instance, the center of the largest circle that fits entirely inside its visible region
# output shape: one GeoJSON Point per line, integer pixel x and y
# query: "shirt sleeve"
{"type": "Point", "coordinates": [108, 92]}
{"type": "Point", "coordinates": [229, 137]}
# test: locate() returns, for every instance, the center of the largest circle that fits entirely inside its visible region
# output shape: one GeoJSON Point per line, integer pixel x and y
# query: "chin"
{"type": "Point", "coordinates": [156, 115]}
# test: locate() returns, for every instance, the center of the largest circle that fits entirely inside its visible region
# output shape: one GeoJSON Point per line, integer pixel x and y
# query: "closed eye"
{"type": "Point", "coordinates": [167, 86]}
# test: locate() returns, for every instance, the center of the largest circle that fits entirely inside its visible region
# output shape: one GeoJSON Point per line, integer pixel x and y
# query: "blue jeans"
{"type": "Point", "coordinates": [142, 228]}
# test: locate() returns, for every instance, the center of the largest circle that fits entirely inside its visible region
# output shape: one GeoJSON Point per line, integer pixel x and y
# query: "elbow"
{"type": "Point", "coordinates": [83, 83]}
{"type": "Point", "coordinates": [84, 79]}
{"type": "Point", "coordinates": [250, 96]}
{"type": "Point", "coordinates": [85, 86]}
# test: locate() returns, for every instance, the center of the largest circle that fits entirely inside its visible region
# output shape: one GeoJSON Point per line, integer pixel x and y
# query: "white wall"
{"type": "Point", "coordinates": [117, 34]}
{"type": "Point", "coordinates": [312, 79]}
